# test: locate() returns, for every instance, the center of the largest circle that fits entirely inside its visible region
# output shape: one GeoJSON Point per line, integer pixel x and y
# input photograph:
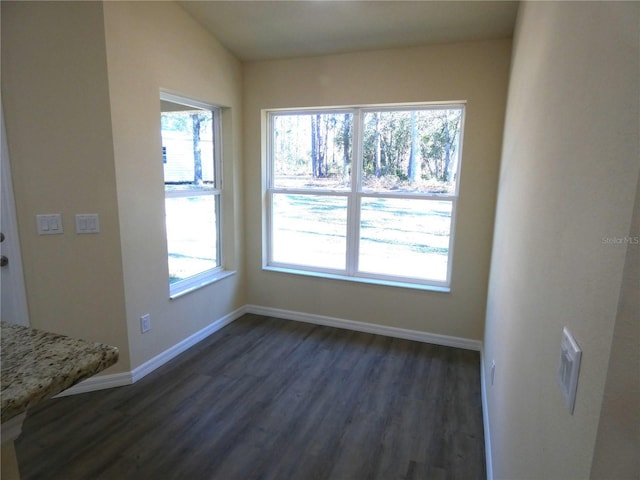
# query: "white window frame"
{"type": "Point", "coordinates": [211, 275]}
{"type": "Point", "coordinates": [355, 196]}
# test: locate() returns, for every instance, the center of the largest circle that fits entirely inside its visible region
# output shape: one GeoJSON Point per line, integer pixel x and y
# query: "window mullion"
{"type": "Point", "coordinates": [452, 233]}
{"type": "Point", "coordinates": [269, 149]}
{"type": "Point", "coordinates": [190, 193]}
{"type": "Point", "coordinates": [268, 190]}
{"type": "Point", "coordinates": [353, 215]}
{"type": "Point", "coordinates": [216, 132]}
{"type": "Point", "coordinates": [269, 226]}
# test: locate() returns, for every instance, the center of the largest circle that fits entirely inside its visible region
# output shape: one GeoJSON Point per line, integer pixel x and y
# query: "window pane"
{"type": "Point", "coordinates": [407, 238]}
{"type": "Point", "coordinates": [312, 150]}
{"type": "Point", "coordinates": [191, 235]}
{"type": "Point", "coordinates": [187, 146]}
{"type": "Point", "coordinates": [309, 230]}
{"type": "Point", "coordinates": [415, 150]}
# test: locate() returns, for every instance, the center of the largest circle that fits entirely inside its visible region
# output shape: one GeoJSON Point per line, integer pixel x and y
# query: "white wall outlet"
{"type": "Point", "coordinates": [145, 323]}
{"type": "Point", "coordinates": [570, 357]}
{"type": "Point", "coordinates": [50, 224]}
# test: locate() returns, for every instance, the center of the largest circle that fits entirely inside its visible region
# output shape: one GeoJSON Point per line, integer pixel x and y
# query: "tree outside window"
{"type": "Point", "coordinates": [366, 193]}
{"type": "Point", "coordinates": [190, 144]}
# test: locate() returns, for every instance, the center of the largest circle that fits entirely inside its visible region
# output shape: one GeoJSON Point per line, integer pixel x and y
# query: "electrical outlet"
{"type": "Point", "coordinates": [145, 323]}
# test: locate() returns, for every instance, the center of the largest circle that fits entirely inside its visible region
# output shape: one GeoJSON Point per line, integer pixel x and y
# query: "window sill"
{"type": "Point", "coordinates": [187, 286]}
{"type": "Point", "coordinates": [371, 281]}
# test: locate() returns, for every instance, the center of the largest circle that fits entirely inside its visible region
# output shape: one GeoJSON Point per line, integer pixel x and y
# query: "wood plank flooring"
{"type": "Point", "coordinates": [266, 398]}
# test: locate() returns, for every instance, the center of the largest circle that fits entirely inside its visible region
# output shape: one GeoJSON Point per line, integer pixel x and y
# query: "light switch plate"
{"type": "Point", "coordinates": [87, 223]}
{"type": "Point", "coordinates": [49, 224]}
{"type": "Point", "coordinates": [570, 356]}
{"type": "Point", "coordinates": [145, 323]}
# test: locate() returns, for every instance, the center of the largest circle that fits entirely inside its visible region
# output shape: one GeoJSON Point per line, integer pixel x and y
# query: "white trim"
{"type": "Point", "coordinates": [359, 278]}
{"type": "Point", "coordinates": [202, 279]}
{"type": "Point", "coordinates": [99, 382]}
{"type": "Point", "coordinates": [485, 418]}
{"type": "Point", "coordinates": [425, 337]}
{"type": "Point", "coordinates": [19, 310]}
{"type": "Point", "coordinates": [127, 378]}
{"type": "Point", "coordinates": [189, 102]}
{"type": "Point", "coordinates": [159, 360]}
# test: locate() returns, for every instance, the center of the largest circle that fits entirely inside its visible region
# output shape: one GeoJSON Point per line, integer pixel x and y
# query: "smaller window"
{"type": "Point", "coordinates": [191, 162]}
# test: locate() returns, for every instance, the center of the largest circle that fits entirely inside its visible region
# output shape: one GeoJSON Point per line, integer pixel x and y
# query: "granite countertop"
{"type": "Point", "coordinates": [37, 365]}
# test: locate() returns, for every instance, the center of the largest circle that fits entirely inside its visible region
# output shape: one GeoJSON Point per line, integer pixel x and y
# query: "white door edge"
{"type": "Point", "coordinates": [13, 306]}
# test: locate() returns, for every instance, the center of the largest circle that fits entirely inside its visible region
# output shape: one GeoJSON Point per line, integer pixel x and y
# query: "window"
{"type": "Point", "coordinates": [365, 194]}
{"type": "Point", "coordinates": [191, 162]}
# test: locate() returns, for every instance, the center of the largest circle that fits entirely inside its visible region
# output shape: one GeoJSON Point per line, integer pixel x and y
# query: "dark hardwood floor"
{"type": "Point", "coordinates": [266, 398]}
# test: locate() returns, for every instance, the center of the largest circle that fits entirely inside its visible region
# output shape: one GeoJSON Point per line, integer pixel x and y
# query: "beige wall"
{"type": "Point", "coordinates": [80, 85]}
{"type": "Point", "coordinates": [153, 46]}
{"type": "Point", "coordinates": [473, 72]}
{"type": "Point", "coordinates": [56, 104]}
{"type": "Point", "coordinates": [568, 180]}
{"type": "Point", "coordinates": [618, 441]}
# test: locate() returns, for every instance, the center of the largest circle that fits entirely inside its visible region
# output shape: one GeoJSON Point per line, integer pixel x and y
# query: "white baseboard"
{"type": "Point", "coordinates": [99, 382]}
{"type": "Point", "coordinates": [156, 362]}
{"type": "Point", "coordinates": [485, 419]}
{"type": "Point", "coordinates": [396, 332]}
{"type": "Point", "coordinates": [127, 378]}
{"type": "Point", "coordinates": [120, 379]}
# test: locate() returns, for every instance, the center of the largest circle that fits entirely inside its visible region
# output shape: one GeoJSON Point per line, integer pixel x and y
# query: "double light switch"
{"type": "Point", "coordinates": [51, 224]}
{"type": "Point", "coordinates": [87, 223]}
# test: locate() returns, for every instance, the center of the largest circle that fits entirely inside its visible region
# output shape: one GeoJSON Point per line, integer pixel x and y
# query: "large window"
{"type": "Point", "coordinates": [364, 194]}
{"type": "Point", "coordinates": [191, 158]}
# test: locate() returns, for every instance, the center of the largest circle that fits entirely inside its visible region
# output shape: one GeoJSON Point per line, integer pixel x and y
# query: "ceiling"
{"type": "Point", "coordinates": [265, 30]}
